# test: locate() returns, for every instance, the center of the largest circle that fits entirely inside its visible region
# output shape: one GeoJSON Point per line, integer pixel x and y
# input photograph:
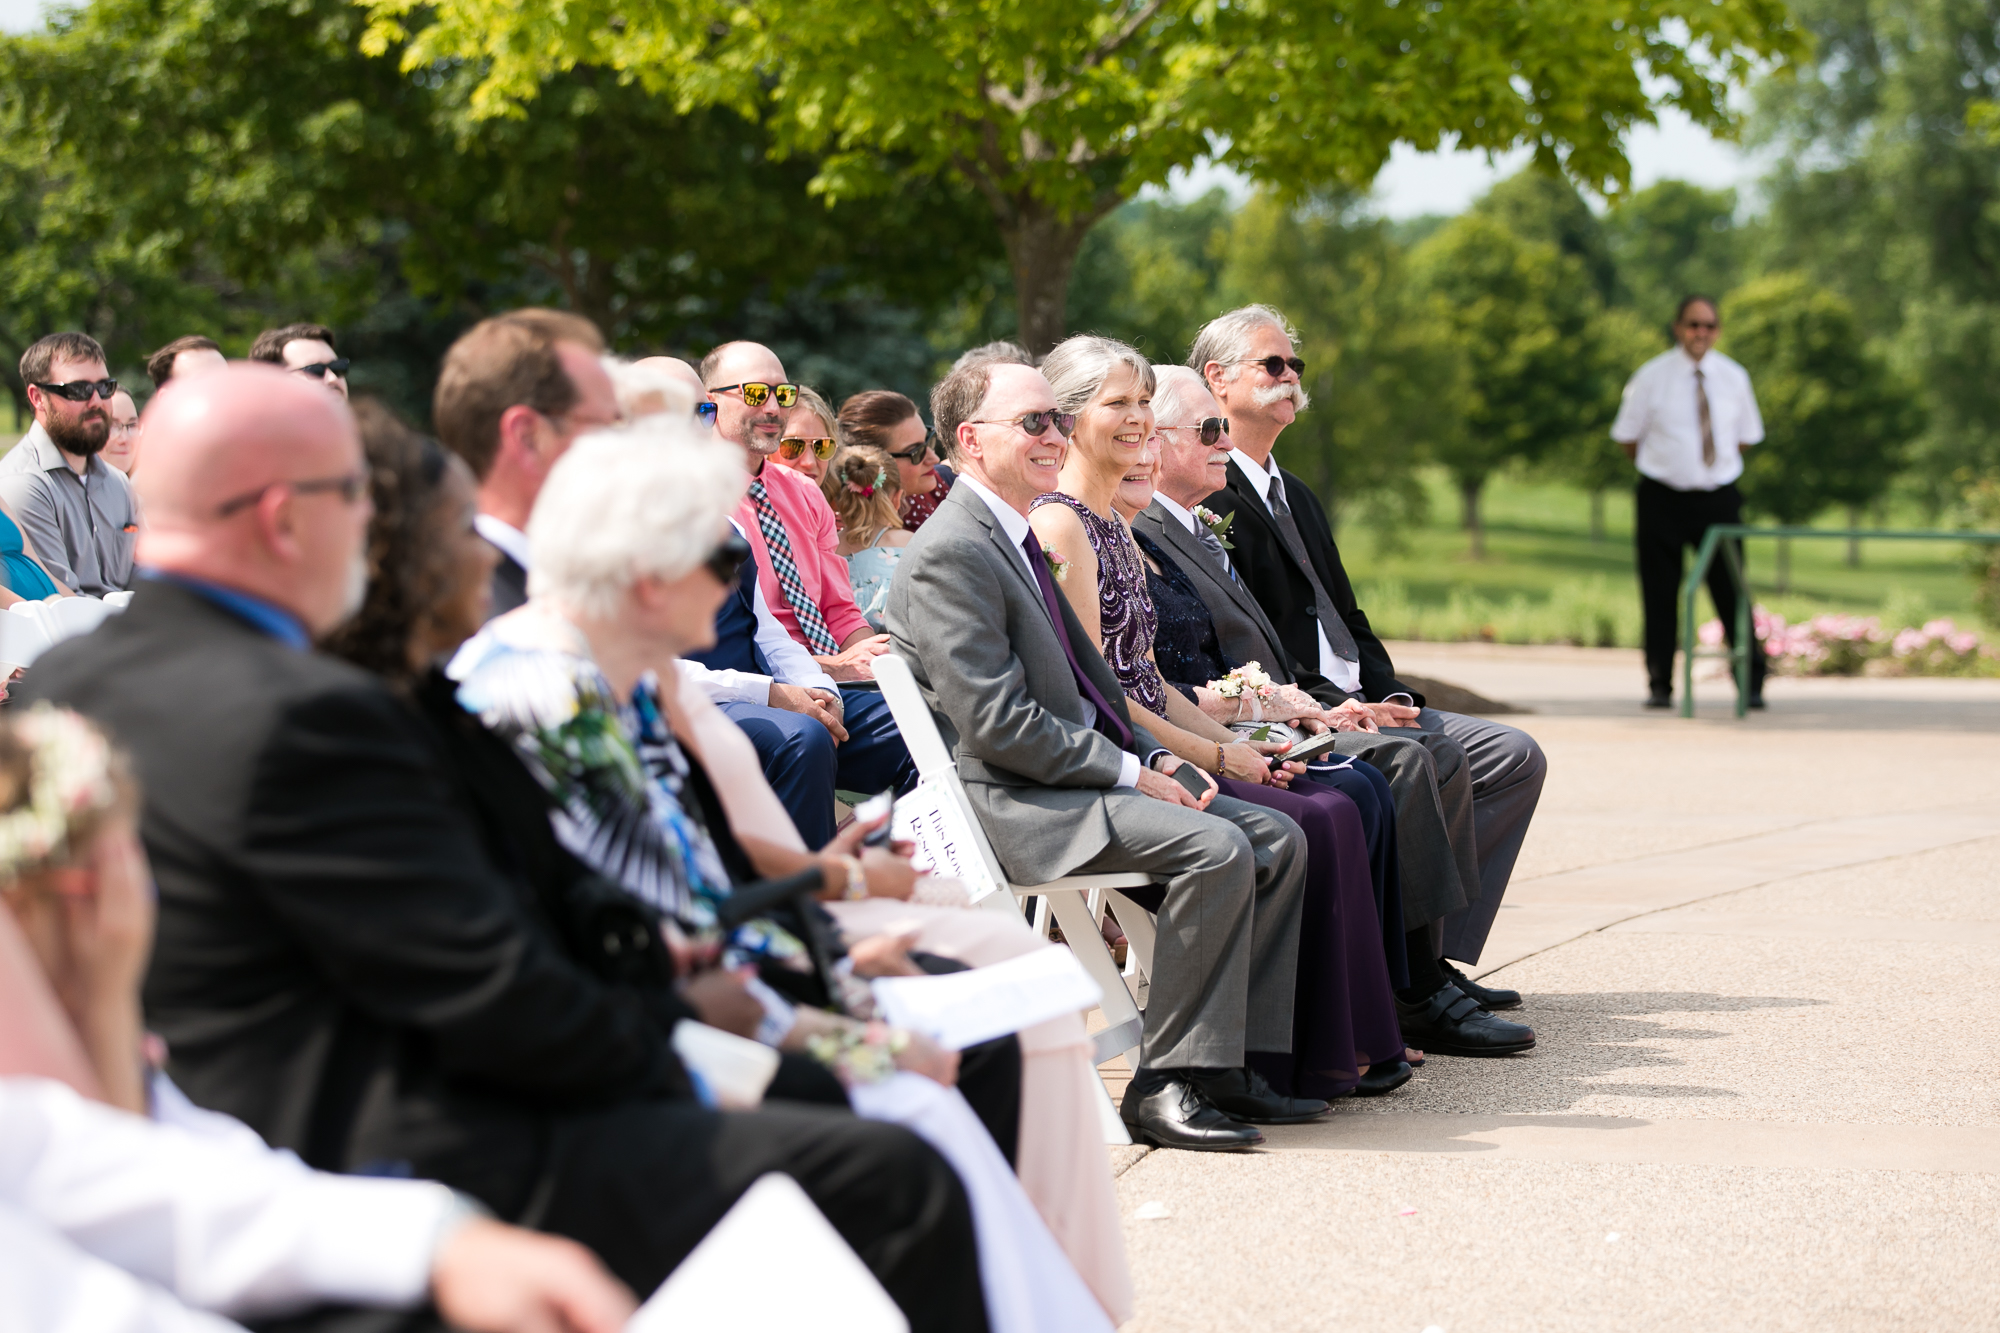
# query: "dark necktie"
{"type": "Point", "coordinates": [1337, 636]}
{"type": "Point", "coordinates": [819, 638]}
{"type": "Point", "coordinates": [1707, 426]}
{"type": "Point", "coordinates": [1213, 545]}
{"type": "Point", "coordinates": [1108, 722]}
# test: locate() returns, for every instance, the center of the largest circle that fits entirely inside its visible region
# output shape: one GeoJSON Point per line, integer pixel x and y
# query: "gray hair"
{"type": "Point", "coordinates": [645, 500]}
{"type": "Point", "coordinates": [1226, 338]}
{"type": "Point", "coordinates": [646, 390]}
{"type": "Point", "coordinates": [1174, 392]}
{"type": "Point", "coordinates": [1077, 368]}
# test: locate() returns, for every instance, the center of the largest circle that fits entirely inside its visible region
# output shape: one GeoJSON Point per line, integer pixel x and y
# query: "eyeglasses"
{"type": "Point", "coordinates": [1035, 423]}
{"type": "Point", "coordinates": [792, 446]}
{"type": "Point", "coordinates": [318, 370]}
{"type": "Point", "coordinates": [755, 394]}
{"type": "Point", "coordinates": [1212, 429]}
{"type": "Point", "coordinates": [350, 488]}
{"type": "Point", "coordinates": [81, 391]}
{"type": "Point", "coordinates": [125, 427]}
{"type": "Point", "coordinates": [919, 451]}
{"type": "Point", "coordinates": [726, 560]}
{"type": "Point", "coordinates": [1274, 366]}
{"type": "Point", "coordinates": [705, 413]}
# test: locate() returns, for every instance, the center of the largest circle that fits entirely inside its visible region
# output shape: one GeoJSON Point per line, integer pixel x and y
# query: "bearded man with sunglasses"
{"type": "Point", "coordinates": [1285, 554]}
{"type": "Point", "coordinates": [75, 508]}
{"type": "Point", "coordinates": [804, 586]}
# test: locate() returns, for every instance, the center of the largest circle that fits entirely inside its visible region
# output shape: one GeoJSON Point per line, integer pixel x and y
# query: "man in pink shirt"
{"type": "Point", "coordinates": [792, 533]}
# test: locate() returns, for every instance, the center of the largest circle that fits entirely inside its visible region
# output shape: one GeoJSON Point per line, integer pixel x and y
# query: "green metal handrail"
{"type": "Point", "coordinates": [1739, 654]}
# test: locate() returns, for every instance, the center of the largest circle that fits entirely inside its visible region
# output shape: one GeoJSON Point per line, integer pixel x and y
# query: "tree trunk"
{"type": "Point", "coordinates": [1042, 250]}
{"type": "Point", "coordinates": [1597, 515]}
{"type": "Point", "coordinates": [1784, 564]}
{"type": "Point", "coordinates": [1468, 493]}
{"type": "Point", "coordinates": [1854, 543]}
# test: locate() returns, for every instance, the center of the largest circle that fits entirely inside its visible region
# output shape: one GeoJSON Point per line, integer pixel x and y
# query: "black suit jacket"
{"type": "Point", "coordinates": [339, 963]}
{"type": "Point", "coordinates": [1284, 590]}
{"type": "Point", "coordinates": [510, 585]}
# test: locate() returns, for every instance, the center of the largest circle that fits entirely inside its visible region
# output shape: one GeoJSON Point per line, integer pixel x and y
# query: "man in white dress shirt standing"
{"type": "Point", "coordinates": [1687, 416]}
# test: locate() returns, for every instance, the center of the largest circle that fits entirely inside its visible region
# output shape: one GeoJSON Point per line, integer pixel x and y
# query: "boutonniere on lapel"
{"type": "Point", "coordinates": [1058, 567]}
{"type": "Point", "coordinates": [1217, 524]}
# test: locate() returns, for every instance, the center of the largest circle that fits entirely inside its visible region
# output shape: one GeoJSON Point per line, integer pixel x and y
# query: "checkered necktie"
{"type": "Point", "coordinates": [787, 570]}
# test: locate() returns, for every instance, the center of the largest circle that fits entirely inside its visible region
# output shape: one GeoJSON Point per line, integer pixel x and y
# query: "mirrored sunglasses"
{"type": "Point", "coordinates": [791, 447]}
{"type": "Point", "coordinates": [756, 395]}
{"type": "Point", "coordinates": [705, 413]}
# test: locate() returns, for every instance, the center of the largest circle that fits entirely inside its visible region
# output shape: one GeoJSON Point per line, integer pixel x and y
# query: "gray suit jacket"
{"type": "Point", "coordinates": [970, 620]}
{"type": "Point", "coordinates": [1242, 629]}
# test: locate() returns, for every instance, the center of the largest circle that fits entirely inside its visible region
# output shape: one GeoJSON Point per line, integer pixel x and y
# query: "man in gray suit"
{"type": "Point", "coordinates": [1063, 781]}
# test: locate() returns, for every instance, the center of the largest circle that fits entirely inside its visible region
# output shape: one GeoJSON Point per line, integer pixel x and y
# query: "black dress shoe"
{"type": "Point", "coordinates": [1486, 997]}
{"type": "Point", "coordinates": [1452, 1023]}
{"type": "Point", "coordinates": [1382, 1076]}
{"type": "Point", "coordinates": [1242, 1094]}
{"type": "Point", "coordinates": [1659, 701]}
{"type": "Point", "coordinates": [1176, 1115]}
{"type": "Point", "coordinates": [1757, 702]}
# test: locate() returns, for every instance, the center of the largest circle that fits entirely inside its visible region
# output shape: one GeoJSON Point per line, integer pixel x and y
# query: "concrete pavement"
{"type": "Point", "coordinates": [1760, 957]}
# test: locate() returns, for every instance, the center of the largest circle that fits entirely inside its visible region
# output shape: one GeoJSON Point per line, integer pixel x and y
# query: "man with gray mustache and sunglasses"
{"type": "Point", "coordinates": [75, 508]}
{"type": "Point", "coordinates": [1285, 554]}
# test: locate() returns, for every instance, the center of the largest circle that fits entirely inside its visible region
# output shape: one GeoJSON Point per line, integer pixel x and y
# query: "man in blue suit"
{"type": "Point", "coordinates": [812, 736]}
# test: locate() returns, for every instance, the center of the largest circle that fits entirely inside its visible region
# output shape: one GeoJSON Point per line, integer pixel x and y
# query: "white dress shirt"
{"type": "Point", "coordinates": [1344, 674]}
{"type": "Point", "coordinates": [1015, 525]}
{"type": "Point", "coordinates": [513, 542]}
{"type": "Point", "coordinates": [792, 663]}
{"type": "Point", "coordinates": [1659, 414]}
{"type": "Point", "coordinates": [112, 1222]}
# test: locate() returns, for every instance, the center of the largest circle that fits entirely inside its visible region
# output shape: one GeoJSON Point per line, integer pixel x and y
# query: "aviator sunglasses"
{"type": "Point", "coordinates": [792, 446]}
{"type": "Point", "coordinates": [756, 395]}
{"type": "Point", "coordinates": [1034, 423]}
{"type": "Point", "coordinates": [81, 391]}
{"type": "Point", "coordinates": [1274, 366]}
{"type": "Point", "coordinates": [1213, 429]}
{"type": "Point", "coordinates": [726, 560]}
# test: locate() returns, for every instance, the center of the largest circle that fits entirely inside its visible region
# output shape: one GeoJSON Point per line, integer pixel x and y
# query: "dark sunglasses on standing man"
{"type": "Point", "coordinates": [81, 391]}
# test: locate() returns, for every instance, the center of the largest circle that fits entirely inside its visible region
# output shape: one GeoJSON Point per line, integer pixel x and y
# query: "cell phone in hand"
{"type": "Point", "coordinates": [1308, 749]}
{"type": "Point", "coordinates": [879, 807]}
{"type": "Point", "coordinates": [1191, 778]}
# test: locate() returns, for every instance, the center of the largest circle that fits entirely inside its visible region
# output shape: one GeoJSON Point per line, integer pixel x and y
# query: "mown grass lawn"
{"type": "Point", "coordinates": [1545, 580]}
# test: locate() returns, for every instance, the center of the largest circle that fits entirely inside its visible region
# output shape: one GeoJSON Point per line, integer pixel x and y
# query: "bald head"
{"type": "Point", "coordinates": [275, 451]}
{"type": "Point", "coordinates": [756, 426]}
{"type": "Point", "coordinates": [676, 369]}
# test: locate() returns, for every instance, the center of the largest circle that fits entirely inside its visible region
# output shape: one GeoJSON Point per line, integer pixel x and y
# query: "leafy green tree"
{"type": "Point", "coordinates": [1836, 417]}
{"type": "Point", "coordinates": [1671, 240]}
{"type": "Point", "coordinates": [1523, 316]}
{"type": "Point", "coordinates": [1618, 342]}
{"type": "Point", "coordinates": [1384, 372]}
{"type": "Point", "coordinates": [221, 164]}
{"type": "Point", "coordinates": [1151, 273]}
{"type": "Point", "coordinates": [1541, 206]}
{"type": "Point", "coordinates": [1057, 112]}
{"type": "Point", "coordinates": [1889, 197]}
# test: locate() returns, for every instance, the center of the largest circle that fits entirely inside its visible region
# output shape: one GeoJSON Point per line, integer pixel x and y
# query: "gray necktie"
{"type": "Point", "coordinates": [1213, 545]}
{"type": "Point", "coordinates": [1337, 635]}
{"type": "Point", "coordinates": [1707, 426]}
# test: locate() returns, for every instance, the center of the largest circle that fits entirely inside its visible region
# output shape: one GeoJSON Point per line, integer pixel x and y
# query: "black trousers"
{"type": "Point", "coordinates": [641, 1183]}
{"type": "Point", "coordinates": [1669, 522]}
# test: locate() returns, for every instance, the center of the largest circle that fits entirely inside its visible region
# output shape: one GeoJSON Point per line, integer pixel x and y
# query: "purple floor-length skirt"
{"type": "Point", "coordinates": [1343, 1013]}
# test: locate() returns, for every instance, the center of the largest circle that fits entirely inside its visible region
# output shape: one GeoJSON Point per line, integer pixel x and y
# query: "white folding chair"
{"type": "Point", "coordinates": [1077, 901]}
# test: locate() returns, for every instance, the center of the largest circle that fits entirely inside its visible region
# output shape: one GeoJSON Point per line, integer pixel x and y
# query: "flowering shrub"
{"type": "Point", "coordinates": [1842, 645]}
